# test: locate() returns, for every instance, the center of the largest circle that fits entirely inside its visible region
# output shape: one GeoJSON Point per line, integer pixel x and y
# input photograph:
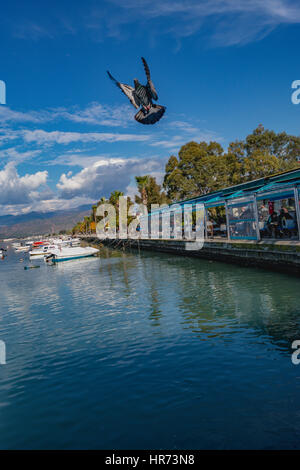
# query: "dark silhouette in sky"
{"type": "Point", "coordinates": [141, 96]}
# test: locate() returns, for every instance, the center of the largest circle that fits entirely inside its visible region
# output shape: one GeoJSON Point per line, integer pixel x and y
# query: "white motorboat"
{"type": "Point", "coordinates": [75, 242]}
{"type": "Point", "coordinates": [42, 251]}
{"type": "Point", "coordinates": [16, 245]}
{"type": "Point", "coordinates": [65, 254]}
{"type": "Point", "coordinates": [21, 249]}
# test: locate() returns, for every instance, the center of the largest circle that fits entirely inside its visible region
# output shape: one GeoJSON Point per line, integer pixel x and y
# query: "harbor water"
{"type": "Point", "coordinates": [147, 350]}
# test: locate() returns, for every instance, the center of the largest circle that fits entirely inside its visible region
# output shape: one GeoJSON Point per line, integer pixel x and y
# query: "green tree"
{"type": "Point", "coordinates": [200, 169]}
{"type": "Point", "coordinates": [114, 198]}
{"type": "Point", "coordinates": [142, 182]}
{"type": "Point", "coordinates": [150, 192]}
{"type": "Point", "coordinates": [260, 164]}
{"type": "Point", "coordinates": [282, 145]}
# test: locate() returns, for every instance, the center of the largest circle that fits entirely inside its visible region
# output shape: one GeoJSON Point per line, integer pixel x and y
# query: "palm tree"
{"type": "Point", "coordinates": [142, 182]}
{"type": "Point", "coordinates": [114, 198]}
{"type": "Point", "coordinates": [102, 201]}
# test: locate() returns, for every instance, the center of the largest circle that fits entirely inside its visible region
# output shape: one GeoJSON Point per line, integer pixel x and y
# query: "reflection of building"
{"type": "Point", "coordinates": [266, 207]}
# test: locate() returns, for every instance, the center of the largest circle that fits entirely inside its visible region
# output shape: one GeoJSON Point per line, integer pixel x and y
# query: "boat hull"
{"type": "Point", "coordinates": [66, 254]}
{"type": "Point", "coordinates": [57, 260]}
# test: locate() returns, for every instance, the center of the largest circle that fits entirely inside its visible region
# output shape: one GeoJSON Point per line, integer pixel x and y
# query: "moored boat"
{"type": "Point", "coordinates": [21, 249]}
{"type": "Point", "coordinates": [16, 244]}
{"type": "Point", "coordinates": [42, 251]}
{"type": "Point", "coordinates": [65, 254]}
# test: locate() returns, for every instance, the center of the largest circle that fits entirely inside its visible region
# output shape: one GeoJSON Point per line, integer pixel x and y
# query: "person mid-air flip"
{"type": "Point", "coordinates": [142, 96]}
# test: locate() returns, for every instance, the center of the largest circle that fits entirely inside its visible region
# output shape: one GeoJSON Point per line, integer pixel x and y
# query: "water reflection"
{"type": "Point", "coordinates": [213, 298]}
{"type": "Point", "coordinates": [197, 349]}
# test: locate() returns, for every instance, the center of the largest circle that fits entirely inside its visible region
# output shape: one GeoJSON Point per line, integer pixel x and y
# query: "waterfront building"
{"type": "Point", "coordinates": [265, 208]}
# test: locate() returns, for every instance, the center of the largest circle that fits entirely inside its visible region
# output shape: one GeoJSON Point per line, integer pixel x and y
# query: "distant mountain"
{"type": "Point", "coordinates": [39, 223]}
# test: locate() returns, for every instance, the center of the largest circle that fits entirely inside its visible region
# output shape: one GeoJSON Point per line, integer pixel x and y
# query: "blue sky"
{"type": "Point", "coordinates": [67, 134]}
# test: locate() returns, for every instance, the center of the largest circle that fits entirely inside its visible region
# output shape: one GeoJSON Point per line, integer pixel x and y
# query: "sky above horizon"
{"type": "Point", "coordinates": [67, 134]}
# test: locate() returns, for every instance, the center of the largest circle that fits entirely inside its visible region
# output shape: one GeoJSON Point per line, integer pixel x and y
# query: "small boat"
{"type": "Point", "coordinates": [75, 242]}
{"type": "Point", "coordinates": [65, 254]}
{"type": "Point", "coordinates": [31, 267]}
{"type": "Point", "coordinates": [20, 249]}
{"type": "Point", "coordinates": [16, 245]}
{"type": "Point", "coordinates": [40, 243]}
{"type": "Point", "coordinates": [42, 251]}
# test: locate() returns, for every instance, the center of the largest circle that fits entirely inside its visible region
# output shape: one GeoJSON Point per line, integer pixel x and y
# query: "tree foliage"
{"type": "Point", "coordinates": [150, 192]}
{"type": "Point", "coordinates": [202, 168]}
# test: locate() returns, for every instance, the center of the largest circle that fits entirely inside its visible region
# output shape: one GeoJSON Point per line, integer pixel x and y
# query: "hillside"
{"type": "Point", "coordinates": [38, 223]}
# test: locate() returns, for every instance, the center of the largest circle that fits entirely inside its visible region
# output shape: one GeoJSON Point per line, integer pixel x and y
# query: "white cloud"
{"type": "Point", "coordinates": [57, 137]}
{"type": "Point", "coordinates": [183, 126]}
{"type": "Point", "coordinates": [98, 114]}
{"type": "Point", "coordinates": [77, 159]}
{"type": "Point", "coordinates": [231, 21]}
{"type": "Point", "coordinates": [7, 135]}
{"type": "Point", "coordinates": [94, 113]}
{"type": "Point", "coordinates": [14, 155]}
{"type": "Point", "coordinates": [17, 189]}
{"type": "Point", "coordinates": [188, 134]}
{"type": "Point", "coordinates": [7, 114]}
{"type": "Point", "coordinates": [105, 176]}
{"type": "Point", "coordinates": [226, 22]}
{"type": "Point", "coordinates": [47, 205]}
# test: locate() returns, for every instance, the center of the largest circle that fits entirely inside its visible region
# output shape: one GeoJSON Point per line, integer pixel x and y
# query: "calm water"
{"type": "Point", "coordinates": [148, 351]}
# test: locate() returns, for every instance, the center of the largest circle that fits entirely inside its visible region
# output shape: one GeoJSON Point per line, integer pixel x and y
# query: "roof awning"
{"type": "Point", "coordinates": [236, 194]}
{"type": "Point", "coordinates": [276, 191]}
{"type": "Point", "coordinates": [215, 201]}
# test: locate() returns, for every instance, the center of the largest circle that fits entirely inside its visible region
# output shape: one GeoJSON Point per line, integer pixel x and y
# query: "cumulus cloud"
{"type": "Point", "coordinates": [105, 176]}
{"type": "Point", "coordinates": [16, 189]}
